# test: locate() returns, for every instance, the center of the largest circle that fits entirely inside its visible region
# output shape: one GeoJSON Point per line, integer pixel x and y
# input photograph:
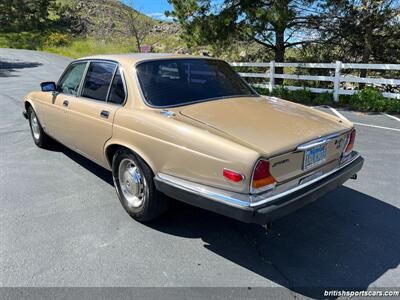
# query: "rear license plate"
{"type": "Point", "coordinates": [314, 156]}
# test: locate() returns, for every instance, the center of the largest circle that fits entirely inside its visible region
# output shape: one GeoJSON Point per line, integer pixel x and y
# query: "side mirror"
{"type": "Point", "coordinates": [48, 86]}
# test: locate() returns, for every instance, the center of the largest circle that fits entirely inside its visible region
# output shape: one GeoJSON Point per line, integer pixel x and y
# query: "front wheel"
{"type": "Point", "coordinates": [133, 181]}
{"type": "Point", "coordinates": [40, 138]}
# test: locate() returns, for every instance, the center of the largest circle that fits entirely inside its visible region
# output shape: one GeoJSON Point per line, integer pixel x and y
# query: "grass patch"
{"type": "Point", "coordinates": [75, 47]}
{"type": "Point", "coordinates": [31, 40]}
{"type": "Point", "coordinates": [90, 46]}
{"type": "Point", "coordinates": [65, 45]}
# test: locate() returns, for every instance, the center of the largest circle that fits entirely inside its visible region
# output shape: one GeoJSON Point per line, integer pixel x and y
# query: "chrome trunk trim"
{"type": "Point", "coordinates": [317, 142]}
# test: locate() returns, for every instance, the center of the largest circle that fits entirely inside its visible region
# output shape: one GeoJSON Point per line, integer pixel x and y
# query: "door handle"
{"type": "Point", "coordinates": [66, 103]}
{"type": "Point", "coordinates": [104, 114]}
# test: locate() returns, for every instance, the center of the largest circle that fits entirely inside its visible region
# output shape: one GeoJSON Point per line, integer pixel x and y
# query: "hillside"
{"type": "Point", "coordinates": [101, 17]}
{"type": "Point", "coordinates": [103, 22]}
{"type": "Point", "coordinates": [83, 27]}
{"type": "Point", "coordinates": [79, 28]}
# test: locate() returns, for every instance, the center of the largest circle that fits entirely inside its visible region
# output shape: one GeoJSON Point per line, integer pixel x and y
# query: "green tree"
{"type": "Point", "coordinates": [363, 30]}
{"type": "Point", "coordinates": [19, 15]}
{"type": "Point", "coordinates": [275, 24]}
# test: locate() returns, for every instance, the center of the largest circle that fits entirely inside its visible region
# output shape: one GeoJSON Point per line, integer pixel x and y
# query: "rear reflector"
{"type": "Point", "coordinates": [233, 176]}
{"type": "Point", "coordinates": [350, 144]}
{"type": "Point", "coordinates": [261, 176]}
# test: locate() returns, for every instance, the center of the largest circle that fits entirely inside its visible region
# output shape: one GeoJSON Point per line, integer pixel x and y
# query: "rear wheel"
{"type": "Point", "coordinates": [40, 138]}
{"type": "Point", "coordinates": [134, 184]}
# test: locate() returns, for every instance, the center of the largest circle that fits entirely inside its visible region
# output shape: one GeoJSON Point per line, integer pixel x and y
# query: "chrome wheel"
{"type": "Point", "coordinates": [132, 183]}
{"type": "Point", "coordinates": [35, 125]}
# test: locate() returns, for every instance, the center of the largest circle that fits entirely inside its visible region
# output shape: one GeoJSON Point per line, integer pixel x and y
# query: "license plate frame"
{"type": "Point", "coordinates": [314, 156]}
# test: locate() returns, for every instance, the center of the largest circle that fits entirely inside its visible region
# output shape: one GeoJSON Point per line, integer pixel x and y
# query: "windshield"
{"type": "Point", "coordinates": [177, 82]}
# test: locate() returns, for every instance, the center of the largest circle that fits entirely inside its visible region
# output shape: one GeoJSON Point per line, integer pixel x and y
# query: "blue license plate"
{"type": "Point", "coordinates": [314, 156]}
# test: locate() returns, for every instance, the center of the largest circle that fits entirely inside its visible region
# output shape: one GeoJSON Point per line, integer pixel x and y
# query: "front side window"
{"type": "Point", "coordinates": [69, 83]}
{"type": "Point", "coordinates": [98, 80]}
{"type": "Point", "coordinates": [176, 82]}
{"type": "Point", "coordinates": [117, 91]}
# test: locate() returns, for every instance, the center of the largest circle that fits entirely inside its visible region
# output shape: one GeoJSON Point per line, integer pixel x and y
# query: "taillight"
{"type": "Point", "coordinates": [262, 178]}
{"type": "Point", "coordinates": [350, 144]}
{"type": "Point", "coordinates": [233, 176]}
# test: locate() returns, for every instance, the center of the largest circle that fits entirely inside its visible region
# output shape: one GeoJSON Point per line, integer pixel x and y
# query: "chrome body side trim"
{"type": "Point", "coordinates": [216, 194]}
{"type": "Point", "coordinates": [167, 113]}
{"type": "Point", "coordinates": [239, 199]}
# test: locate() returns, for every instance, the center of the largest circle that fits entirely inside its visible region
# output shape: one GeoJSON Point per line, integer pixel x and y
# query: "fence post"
{"type": "Point", "coordinates": [271, 76]}
{"type": "Point", "coordinates": [336, 83]}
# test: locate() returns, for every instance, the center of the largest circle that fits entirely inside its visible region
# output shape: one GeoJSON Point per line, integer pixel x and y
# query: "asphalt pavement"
{"type": "Point", "coordinates": [61, 223]}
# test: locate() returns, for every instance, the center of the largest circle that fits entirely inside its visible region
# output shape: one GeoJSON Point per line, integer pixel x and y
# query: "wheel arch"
{"type": "Point", "coordinates": [28, 103]}
{"type": "Point", "coordinates": [111, 148]}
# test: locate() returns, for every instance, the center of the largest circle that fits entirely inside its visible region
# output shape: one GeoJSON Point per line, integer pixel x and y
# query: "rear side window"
{"type": "Point", "coordinates": [71, 79]}
{"type": "Point", "coordinates": [98, 79]}
{"type": "Point", "coordinates": [117, 92]}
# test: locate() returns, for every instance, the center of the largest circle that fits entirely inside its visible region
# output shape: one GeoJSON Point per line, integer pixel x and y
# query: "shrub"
{"type": "Point", "coordinates": [58, 39]}
{"type": "Point", "coordinates": [324, 99]}
{"type": "Point", "coordinates": [344, 100]}
{"type": "Point", "coordinates": [32, 40]}
{"type": "Point", "coordinates": [302, 96]}
{"type": "Point", "coordinates": [393, 106]}
{"type": "Point", "coordinates": [281, 92]}
{"type": "Point", "coordinates": [368, 99]}
{"type": "Point", "coordinates": [262, 91]}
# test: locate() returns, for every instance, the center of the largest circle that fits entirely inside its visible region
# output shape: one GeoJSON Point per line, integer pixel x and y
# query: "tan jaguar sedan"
{"type": "Point", "coordinates": [190, 128]}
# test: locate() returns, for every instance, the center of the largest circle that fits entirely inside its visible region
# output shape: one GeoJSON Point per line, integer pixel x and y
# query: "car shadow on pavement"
{"type": "Point", "coordinates": [346, 240]}
{"type": "Point", "coordinates": [89, 165]}
{"type": "Point", "coordinates": [8, 68]}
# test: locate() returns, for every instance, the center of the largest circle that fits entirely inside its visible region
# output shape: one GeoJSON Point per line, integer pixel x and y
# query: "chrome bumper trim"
{"type": "Point", "coordinates": [239, 199]}
{"type": "Point", "coordinates": [216, 194]}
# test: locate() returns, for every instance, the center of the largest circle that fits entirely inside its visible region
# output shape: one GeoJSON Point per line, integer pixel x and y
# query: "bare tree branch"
{"type": "Point", "coordinates": [136, 28]}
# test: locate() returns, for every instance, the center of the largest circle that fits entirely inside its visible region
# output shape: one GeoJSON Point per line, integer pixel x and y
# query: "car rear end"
{"type": "Point", "coordinates": [299, 152]}
{"type": "Point", "coordinates": [279, 185]}
{"type": "Point", "coordinates": [307, 161]}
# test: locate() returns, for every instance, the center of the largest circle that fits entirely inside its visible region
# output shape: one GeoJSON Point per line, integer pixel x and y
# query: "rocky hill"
{"type": "Point", "coordinates": [105, 17]}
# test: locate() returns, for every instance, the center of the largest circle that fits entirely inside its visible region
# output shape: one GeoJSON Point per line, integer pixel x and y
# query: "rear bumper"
{"type": "Point", "coordinates": [259, 209]}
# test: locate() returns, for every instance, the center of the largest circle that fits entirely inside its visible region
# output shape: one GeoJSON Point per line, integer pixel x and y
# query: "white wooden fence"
{"type": "Point", "coordinates": [337, 77]}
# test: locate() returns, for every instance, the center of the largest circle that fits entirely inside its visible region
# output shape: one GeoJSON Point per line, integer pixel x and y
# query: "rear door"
{"type": "Point", "coordinates": [91, 114]}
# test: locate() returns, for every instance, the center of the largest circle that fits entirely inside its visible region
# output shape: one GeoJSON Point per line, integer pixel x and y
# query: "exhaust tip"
{"type": "Point", "coordinates": [354, 177]}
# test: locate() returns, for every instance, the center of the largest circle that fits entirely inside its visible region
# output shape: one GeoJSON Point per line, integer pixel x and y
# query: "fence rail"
{"type": "Point", "coordinates": [337, 78]}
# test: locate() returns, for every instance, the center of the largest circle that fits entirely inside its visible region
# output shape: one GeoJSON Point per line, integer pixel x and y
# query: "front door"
{"type": "Point", "coordinates": [55, 110]}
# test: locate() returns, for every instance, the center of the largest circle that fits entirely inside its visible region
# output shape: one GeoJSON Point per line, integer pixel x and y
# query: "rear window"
{"type": "Point", "coordinates": [178, 82]}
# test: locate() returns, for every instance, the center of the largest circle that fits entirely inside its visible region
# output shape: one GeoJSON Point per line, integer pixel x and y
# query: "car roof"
{"type": "Point", "coordinates": [133, 58]}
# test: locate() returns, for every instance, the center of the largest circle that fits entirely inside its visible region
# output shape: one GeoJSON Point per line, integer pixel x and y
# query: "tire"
{"type": "Point", "coordinates": [133, 181]}
{"type": "Point", "coordinates": [40, 138]}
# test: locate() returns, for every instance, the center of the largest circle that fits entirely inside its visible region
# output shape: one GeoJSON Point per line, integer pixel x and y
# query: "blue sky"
{"type": "Point", "coordinates": [152, 8]}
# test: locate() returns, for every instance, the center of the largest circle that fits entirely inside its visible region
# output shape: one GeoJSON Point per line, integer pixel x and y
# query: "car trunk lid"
{"type": "Point", "coordinates": [271, 126]}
